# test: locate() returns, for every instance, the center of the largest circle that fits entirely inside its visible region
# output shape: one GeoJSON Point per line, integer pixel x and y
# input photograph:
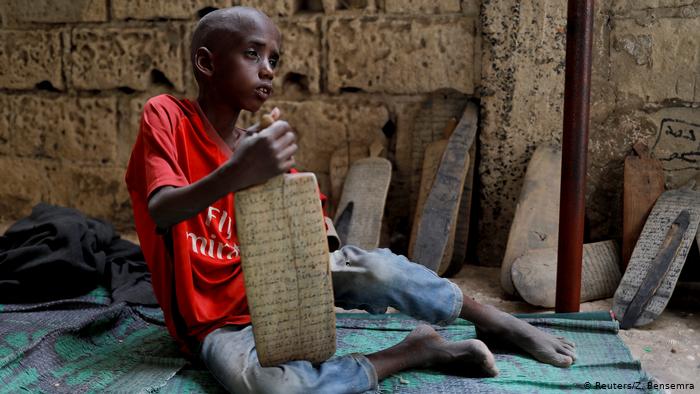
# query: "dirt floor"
{"type": "Point", "coordinates": [668, 348]}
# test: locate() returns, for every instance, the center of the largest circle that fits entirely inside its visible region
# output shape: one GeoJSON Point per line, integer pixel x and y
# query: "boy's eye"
{"type": "Point", "coordinates": [274, 62]}
{"type": "Point", "coordinates": [251, 54]}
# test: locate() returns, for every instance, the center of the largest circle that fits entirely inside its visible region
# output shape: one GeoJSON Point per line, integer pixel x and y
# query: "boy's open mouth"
{"type": "Point", "coordinates": [263, 92]}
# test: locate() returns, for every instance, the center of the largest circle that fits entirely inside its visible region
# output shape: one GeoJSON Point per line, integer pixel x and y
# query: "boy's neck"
{"type": "Point", "coordinates": [221, 117]}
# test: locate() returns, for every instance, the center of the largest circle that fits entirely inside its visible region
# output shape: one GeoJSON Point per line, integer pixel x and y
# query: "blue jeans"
{"type": "Point", "coordinates": [371, 281]}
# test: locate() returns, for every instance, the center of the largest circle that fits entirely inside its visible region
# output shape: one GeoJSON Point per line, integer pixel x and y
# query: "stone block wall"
{"type": "Point", "coordinates": [74, 75]}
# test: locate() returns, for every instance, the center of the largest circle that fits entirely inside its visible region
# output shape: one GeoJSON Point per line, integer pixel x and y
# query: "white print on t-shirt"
{"type": "Point", "coordinates": [225, 219]}
{"type": "Point", "coordinates": [207, 246]}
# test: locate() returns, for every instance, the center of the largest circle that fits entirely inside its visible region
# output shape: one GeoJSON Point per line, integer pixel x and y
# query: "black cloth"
{"type": "Point", "coordinates": [58, 253]}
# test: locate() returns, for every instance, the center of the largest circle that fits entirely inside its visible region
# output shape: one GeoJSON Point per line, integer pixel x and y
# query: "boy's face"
{"type": "Point", "coordinates": [244, 69]}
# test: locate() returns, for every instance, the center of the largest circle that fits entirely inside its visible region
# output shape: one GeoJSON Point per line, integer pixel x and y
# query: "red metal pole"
{"type": "Point", "coordinates": [577, 89]}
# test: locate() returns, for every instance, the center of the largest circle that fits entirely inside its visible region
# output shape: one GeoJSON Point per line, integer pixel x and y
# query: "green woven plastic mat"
{"type": "Point", "coordinates": [104, 349]}
{"type": "Point", "coordinates": [602, 356]}
{"type": "Point", "coordinates": [70, 347]}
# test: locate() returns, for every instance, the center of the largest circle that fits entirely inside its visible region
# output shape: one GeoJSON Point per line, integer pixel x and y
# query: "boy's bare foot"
{"type": "Point", "coordinates": [424, 348]}
{"type": "Point", "coordinates": [471, 354]}
{"type": "Point", "coordinates": [544, 347]}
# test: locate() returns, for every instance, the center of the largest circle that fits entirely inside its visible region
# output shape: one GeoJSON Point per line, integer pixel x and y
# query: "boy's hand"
{"type": "Point", "coordinates": [274, 115]}
{"type": "Point", "coordinates": [264, 154]}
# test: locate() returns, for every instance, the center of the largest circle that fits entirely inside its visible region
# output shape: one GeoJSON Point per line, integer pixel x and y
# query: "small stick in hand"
{"type": "Point", "coordinates": [266, 121]}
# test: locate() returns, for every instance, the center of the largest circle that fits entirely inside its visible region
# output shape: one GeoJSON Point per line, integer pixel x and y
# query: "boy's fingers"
{"type": "Point", "coordinates": [288, 152]}
{"type": "Point", "coordinates": [276, 130]}
{"type": "Point", "coordinates": [275, 114]}
{"type": "Point", "coordinates": [287, 164]}
{"type": "Point", "coordinates": [287, 139]}
{"type": "Point", "coordinates": [253, 129]}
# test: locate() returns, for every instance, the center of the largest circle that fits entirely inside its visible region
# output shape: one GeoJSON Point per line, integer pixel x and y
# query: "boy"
{"type": "Point", "coordinates": [189, 159]}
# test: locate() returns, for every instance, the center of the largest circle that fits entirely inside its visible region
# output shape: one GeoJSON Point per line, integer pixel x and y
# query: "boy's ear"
{"type": "Point", "coordinates": [204, 61]}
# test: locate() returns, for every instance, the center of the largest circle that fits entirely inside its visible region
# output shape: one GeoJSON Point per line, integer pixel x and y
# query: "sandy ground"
{"type": "Point", "coordinates": [668, 348]}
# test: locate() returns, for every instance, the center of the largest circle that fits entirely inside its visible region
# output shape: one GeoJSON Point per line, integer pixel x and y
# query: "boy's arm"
{"type": "Point", "coordinates": [257, 158]}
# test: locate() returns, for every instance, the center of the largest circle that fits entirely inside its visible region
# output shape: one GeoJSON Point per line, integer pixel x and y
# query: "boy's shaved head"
{"type": "Point", "coordinates": [219, 29]}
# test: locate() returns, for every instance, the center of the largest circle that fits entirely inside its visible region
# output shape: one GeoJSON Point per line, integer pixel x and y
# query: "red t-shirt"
{"type": "Point", "coordinates": [177, 146]}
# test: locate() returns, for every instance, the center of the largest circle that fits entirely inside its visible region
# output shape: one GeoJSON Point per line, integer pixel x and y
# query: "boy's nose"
{"type": "Point", "coordinates": [266, 71]}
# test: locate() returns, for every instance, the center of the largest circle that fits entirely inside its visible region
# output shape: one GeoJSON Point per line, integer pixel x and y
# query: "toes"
{"type": "Point", "coordinates": [489, 368]}
{"type": "Point", "coordinates": [423, 330]}
{"type": "Point", "coordinates": [568, 352]}
{"type": "Point", "coordinates": [488, 364]}
{"type": "Point", "coordinates": [560, 360]}
{"type": "Point", "coordinates": [567, 345]}
{"type": "Point", "coordinates": [566, 342]}
{"type": "Point", "coordinates": [468, 358]}
{"type": "Point", "coordinates": [491, 371]}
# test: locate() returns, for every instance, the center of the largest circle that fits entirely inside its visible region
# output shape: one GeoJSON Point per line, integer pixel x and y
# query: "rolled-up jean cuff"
{"type": "Point", "coordinates": [456, 305]}
{"type": "Point", "coordinates": [367, 366]}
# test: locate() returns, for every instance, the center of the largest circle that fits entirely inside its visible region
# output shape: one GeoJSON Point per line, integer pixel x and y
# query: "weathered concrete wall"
{"type": "Point", "coordinates": [74, 75]}
{"type": "Point", "coordinates": [646, 68]}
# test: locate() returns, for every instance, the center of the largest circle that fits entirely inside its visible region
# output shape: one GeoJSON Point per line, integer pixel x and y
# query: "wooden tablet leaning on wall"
{"type": "Point", "coordinates": [661, 243]}
{"type": "Point", "coordinates": [442, 204]}
{"type": "Point", "coordinates": [536, 220]}
{"type": "Point", "coordinates": [365, 189]}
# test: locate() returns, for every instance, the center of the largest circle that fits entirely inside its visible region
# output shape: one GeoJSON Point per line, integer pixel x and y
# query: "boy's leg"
{"type": "Point", "coordinates": [230, 355]}
{"type": "Point", "coordinates": [374, 280]}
